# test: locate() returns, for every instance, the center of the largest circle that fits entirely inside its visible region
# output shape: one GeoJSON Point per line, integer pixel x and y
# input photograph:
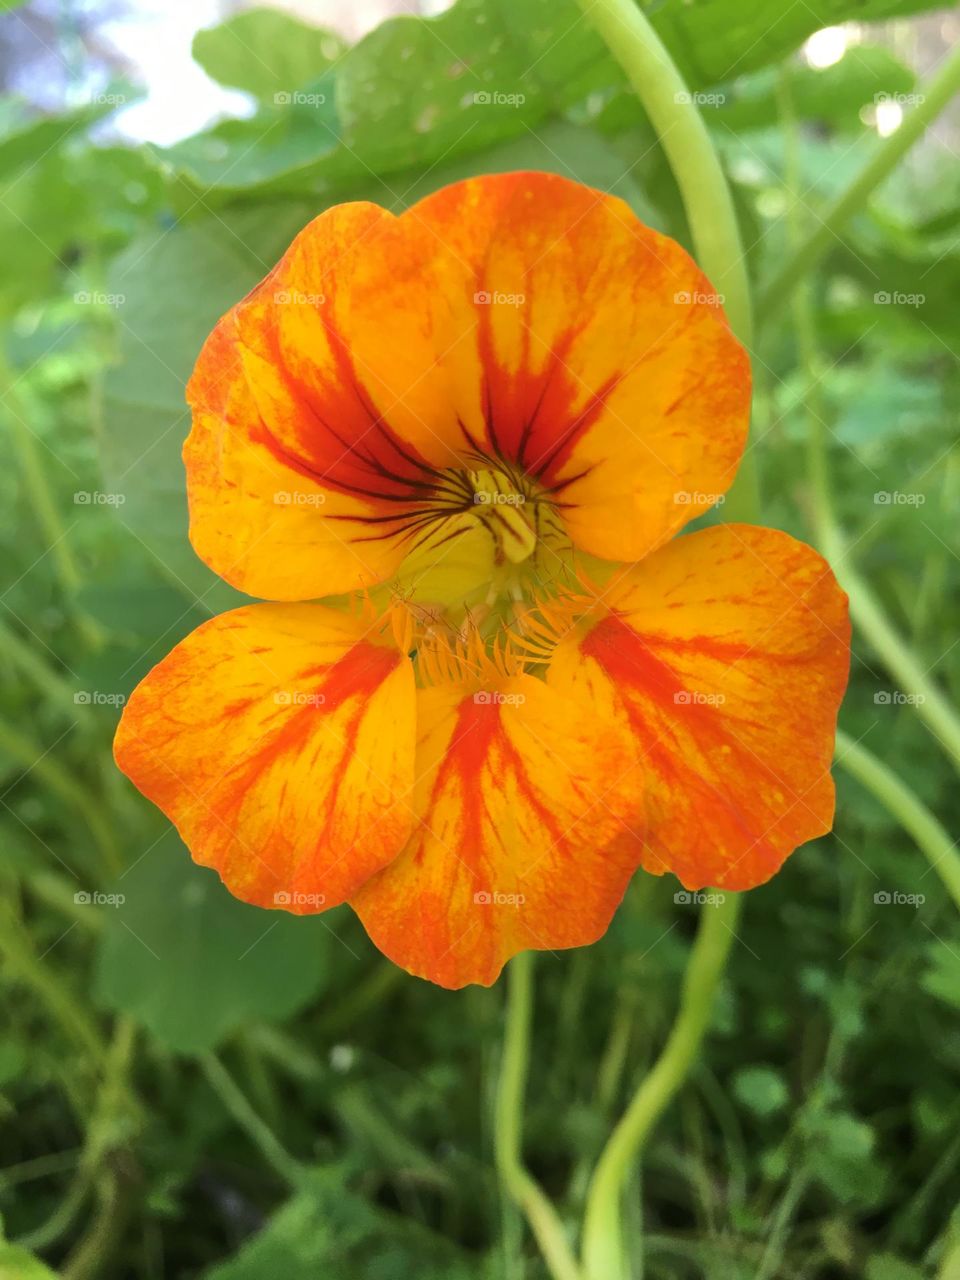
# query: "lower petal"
{"type": "Point", "coordinates": [279, 740]}
{"type": "Point", "coordinates": [529, 808]}
{"type": "Point", "coordinates": [727, 652]}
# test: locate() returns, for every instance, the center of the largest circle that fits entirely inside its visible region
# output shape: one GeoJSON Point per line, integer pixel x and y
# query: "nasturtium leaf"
{"type": "Point", "coordinates": [28, 139]}
{"type": "Point", "coordinates": [266, 52]}
{"type": "Point", "coordinates": [833, 95]}
{"type": "Point", "coordinates": [418, 89]}
{"type": "Point", "coordinates": [176, 283]}
{"type": "Point", "coordinates": [191, 963]}
{"type": "Point", "coordinates": [714, 40]}
{"type": "Point", "coordinates": [238, 154]}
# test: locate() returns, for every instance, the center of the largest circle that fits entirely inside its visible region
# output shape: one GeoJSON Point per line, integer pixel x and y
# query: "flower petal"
{"type": "Point", "coordinates": [325, 404]}
{"type": "Point", "coordinates": [526, 801]}
{"type": "Point", "coordinates": [728, 651]}
{"type": "Point", "coordinates": [279, 740]}
{"type": "Point", "coordinates": [610, 371]}
{"type": "Point", "coordinates": [256, 520]}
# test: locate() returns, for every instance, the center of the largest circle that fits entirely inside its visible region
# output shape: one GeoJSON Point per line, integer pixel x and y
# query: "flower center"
{"type": "Point", "coordinates": [485, 548]}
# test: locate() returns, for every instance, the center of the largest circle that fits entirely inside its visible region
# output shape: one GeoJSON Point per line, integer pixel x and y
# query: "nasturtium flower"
{"type": "Point", "coordinates": [451, 450]}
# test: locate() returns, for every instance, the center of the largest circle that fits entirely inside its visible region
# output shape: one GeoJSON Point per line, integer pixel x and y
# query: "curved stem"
{"type": "Point", "coordinates": [932, 706]}
{"type": "Point", "coordinates": [897, 798]}
{"type": "Point", "coordinates": [517, 1182]}
{"type": "Point", "coordinates": [603, 1253]}
{"type": "Point", "coordinates": [887, 155]}
{"type": "Point", "coordinates": [703, 186]}
{"type": "Point", "coordinates": [235, 1102]}
{"type": "Point", "coordinates": [684, 137]}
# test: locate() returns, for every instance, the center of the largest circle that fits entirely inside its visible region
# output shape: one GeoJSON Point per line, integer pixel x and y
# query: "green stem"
{"type": "Point", "coordinates": [603, 1251]}
{"type": "Point", "coordinates": [932, 706]}
{"type": "Point", "coordinates": [887, 155]}
{"type": "Point", "coordinates": [25, 966]}
{"type": "Point", "coordinates": [44, 677]}
{"type": "Point", "coordinates": [703, 186]}
{"type": "Point", "coordinates": [33, 759]}
{"type": "Point", "coordinates": [686, 142]}
{"type": "Point", "coordinates": [517, 1182]}
{"type": "Point", "coordinates": [260, 1133]}
{"type": "Point", "coordinates": [897, 798]}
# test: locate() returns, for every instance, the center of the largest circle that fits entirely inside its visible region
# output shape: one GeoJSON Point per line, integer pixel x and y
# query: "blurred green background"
{"type": "Point", "coordinates": [193, 1088]}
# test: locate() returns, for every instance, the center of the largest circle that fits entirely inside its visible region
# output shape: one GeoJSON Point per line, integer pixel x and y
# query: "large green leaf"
{"type": "Point", "coordinates": [46, 195]}
{"type": "Point", "coordinates": [191, 963]}
{"type": "Point", "coordinates": [421, 91]}
{"type": "Point", "coordinates": [417, 89]}
{"type": "Point", "coordinates": [715, 40]}
{"type": "Point", "coordinates": [265, 52]}
{"type": "Point", "coordinates": [238, 154]}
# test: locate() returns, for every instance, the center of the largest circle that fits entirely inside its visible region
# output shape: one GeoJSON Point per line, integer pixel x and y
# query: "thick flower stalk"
{"type": "Point", "coordinates": [474, 431]}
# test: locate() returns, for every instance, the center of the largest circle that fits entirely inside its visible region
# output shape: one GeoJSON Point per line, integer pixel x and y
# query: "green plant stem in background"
{"type": "Point", "coordinates": [603, 1251]}
{"type": "Point", "coordinates": [686, 142]}
{"type": "Point", "coordinates": [24, 655]}
{"type": "Point", "coordinates": [34, 759]}
{"type": "Point", "coordinates": [260, 1133]}
{"type": "Point", "coordinates": [932, 706]}
{"type": "Point", "coordinates": [889, 152]}
{"type": "Point", "coordinates": [517, 1182]}
{"type": "Point", "coordinates": [897, 798]}
{"type": "Point", "coordinates": [703, 185]}
{"type": "Point", "coordinates": [23, 965]}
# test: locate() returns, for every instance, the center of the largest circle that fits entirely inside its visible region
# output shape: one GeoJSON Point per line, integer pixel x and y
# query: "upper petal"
{"type": "Point", "coordinates": [326, 404]}
{"type": "Point", "coordinates": [530, 809]}
{"type": "Point", "coordinates": [279, 740]}
{"type": "Point", "coordinates": [728, 652]}
{"type": "Point", "coordinates": [609, 369]}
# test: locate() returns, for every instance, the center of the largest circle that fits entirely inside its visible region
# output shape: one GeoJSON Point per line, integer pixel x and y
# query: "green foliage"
{"type": "Point", "coordinates": [266, 53]}
{"type": "Point", "coordinates": [817, 1140]}
{"type": "Point", "coordinates": [192, 964]}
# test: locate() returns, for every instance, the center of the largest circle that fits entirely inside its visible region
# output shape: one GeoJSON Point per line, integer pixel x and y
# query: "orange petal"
{"type": "Point", "coordinates": [326, 405]}
{"type": "Point", "coordinates": [728, 651]}
{"type": "Point", "coordinates": [609, 371]}
{"type": "Point", "coordinates": [279, 740]}
{"type": "Point", "coordinates": [525, 842]}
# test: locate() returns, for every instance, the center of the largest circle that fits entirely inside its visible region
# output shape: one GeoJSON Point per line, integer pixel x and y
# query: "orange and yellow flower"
{"type": "Point", "coordinates": [475, 429]}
